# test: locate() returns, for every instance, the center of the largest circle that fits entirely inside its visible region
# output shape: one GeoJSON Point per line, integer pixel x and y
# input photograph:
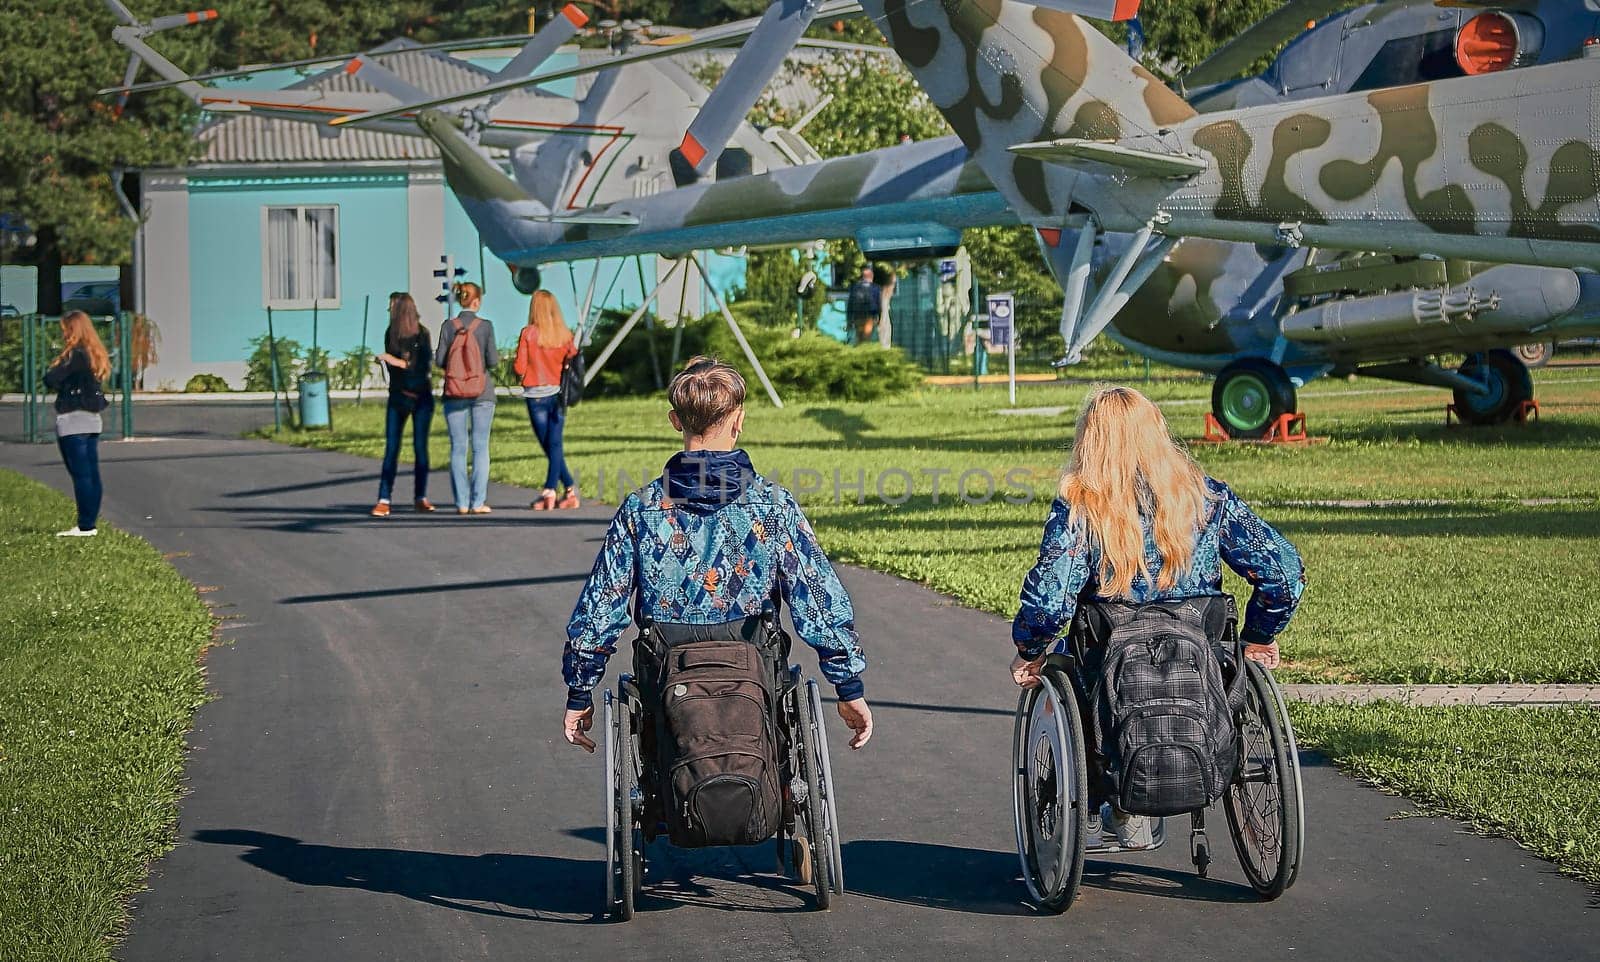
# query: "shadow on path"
{"type": "Point", "coordinates": [1138, 878]}
{"type": "Point", "coordinates": [984, 882]}
{"type": "Point", "coordinates": [947, 877]}
{"type": "Point", "coordinates": [411, 590]}
{"type": "Point", "coordinates": [498, 884]}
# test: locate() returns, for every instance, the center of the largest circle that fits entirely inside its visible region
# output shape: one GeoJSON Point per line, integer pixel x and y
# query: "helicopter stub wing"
{"type": "Point", "coordinates": [1135, 160]}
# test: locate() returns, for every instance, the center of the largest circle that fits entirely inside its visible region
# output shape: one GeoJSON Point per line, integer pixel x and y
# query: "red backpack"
{"type": "Point", "coordinates": [464, 374]}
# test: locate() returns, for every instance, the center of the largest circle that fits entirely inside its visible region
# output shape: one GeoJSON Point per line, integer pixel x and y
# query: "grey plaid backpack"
{"type": "Point", "coordinates": [1163, 714]}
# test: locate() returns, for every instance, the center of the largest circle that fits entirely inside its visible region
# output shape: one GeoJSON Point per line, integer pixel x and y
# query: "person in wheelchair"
{"type": "Point", "coordinates": [707, 550]}
{"type": "Point", "coordinates": [1137, 521]}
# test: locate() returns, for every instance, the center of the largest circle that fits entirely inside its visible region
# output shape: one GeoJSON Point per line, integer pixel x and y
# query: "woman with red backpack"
{"type": "Point", "coordinates": [467, 353]}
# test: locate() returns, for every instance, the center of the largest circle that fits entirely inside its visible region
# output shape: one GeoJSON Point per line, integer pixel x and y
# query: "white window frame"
{"type": "Point", "coordinates": [305, 303]}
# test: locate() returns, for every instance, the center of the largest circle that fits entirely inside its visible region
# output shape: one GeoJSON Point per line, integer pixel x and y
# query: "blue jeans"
{"type": "Point", "coordinates": [468, 419]}
{"type": "Point", "coordinates": [549, 418]}
{"type": "Point", "coordinates": [420, 410]}
{"type": "Point", "coordinates": [81, 452]}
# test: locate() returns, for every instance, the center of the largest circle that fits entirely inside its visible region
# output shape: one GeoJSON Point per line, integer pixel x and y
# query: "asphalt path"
{"type": "Point", "coordinates": [381, 776]}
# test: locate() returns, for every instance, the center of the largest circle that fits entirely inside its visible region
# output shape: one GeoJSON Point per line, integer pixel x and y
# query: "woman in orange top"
{"type": "Point", "coordinates": [543, 348]}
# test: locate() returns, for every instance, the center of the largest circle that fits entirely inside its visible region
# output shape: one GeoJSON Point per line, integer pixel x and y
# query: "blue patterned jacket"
{"type": "Point", "coordinates": [1069, 564]}
{"type": "Point", "coordinates": [710, 541]}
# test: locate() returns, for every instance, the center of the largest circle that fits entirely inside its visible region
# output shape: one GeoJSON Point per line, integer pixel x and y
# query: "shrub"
{"type": "Point", "coordinates": [316, 361]}
{"type": "Point", "coordinates": [352, 370]}
{"type": "Point", "coordinates": [258, 370]}
{"type": "Point", "coordinates": [206, 384]}
{"type": "Point", "coordinates": [504, 374]}
{"type": "Point", "coordinates": [811, 366]}
{"type": "Point", "coordinates": [146, 342]}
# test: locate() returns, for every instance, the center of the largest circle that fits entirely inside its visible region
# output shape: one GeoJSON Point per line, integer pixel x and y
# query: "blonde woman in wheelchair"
{"type": "Point", "coordinates": [1137, 521]}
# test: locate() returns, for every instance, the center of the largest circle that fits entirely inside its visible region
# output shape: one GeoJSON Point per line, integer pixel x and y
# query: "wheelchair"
{"type": "Point", "coordinates": [807, 836]}
{"type": "Point", "coordinates": [1051, 799]}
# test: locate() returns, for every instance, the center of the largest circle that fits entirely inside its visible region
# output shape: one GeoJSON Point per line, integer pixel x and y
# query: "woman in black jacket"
{"type": "Point", "coordinates": [407, 359]}
{"type": "Point", "coordinates": [75, 376]}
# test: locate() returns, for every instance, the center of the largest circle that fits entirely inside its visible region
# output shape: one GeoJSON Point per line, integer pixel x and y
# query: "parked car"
{"type": "Point", "coordinates": [99, 298]}
{"type": "Point", "coordinates": [9, 310]}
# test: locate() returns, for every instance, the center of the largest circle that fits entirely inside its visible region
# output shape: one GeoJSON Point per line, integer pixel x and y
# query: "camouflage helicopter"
{"type": "Point", "coordinates": [1266, 319]}
{"type": "Point", "coordinates": [1058, 128]}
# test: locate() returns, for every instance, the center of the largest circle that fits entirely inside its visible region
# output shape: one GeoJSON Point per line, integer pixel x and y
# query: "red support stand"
{"type": "Point", "coordinates": [1288, 429]}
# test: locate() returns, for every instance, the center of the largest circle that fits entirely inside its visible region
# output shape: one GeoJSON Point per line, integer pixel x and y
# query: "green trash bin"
{"type": "Point", "coordinates": [314, 400]}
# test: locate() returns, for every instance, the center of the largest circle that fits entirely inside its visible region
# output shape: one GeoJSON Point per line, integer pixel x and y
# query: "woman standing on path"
{"type": "Point", "coordinates": [542, 350]}
{"type": "Point", "coordinates": [408, 360]}
{"type": "Point", "coordinates": [75, 377]}
{"type": "Point", "coordinates": [467, 353]}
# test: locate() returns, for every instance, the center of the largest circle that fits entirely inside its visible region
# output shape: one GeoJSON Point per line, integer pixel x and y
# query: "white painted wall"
{"type": "Point", "coordinates": [425, 204]}
{"type": "Point", "coordinates": [164, 278]}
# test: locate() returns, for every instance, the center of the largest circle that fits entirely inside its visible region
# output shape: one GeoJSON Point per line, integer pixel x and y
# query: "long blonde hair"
{"type": "Point", "coordinates": [1126, 470]}
{"type": "Point", "coordinates": [77, 330]}
{"type": "Point", "coordinates": [544, 314]}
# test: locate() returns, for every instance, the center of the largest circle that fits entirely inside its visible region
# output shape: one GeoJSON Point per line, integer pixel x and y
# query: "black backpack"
{"type": "Point", "coordinates": [712, 691]}
{"type": "Point", "coordinates": [572, 370]}
{"type": "Point", "coordinates": [1163, 712]}
{"type": "Point", "coordinates": [858, 306]}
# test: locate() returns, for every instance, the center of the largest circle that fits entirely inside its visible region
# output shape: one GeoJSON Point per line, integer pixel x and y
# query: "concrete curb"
{"type": "Point", "coordinates": [1513, 696]}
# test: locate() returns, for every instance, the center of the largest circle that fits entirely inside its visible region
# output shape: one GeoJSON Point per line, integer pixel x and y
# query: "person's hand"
{"type": "Point", "coordinates": [858, 716]}
{"type": "Point", "coordinates": [576, 725]}
{"type": "Point", "coordinates": [1264, 655]}
{"type": "Point", "coordinates": [1026, 673]}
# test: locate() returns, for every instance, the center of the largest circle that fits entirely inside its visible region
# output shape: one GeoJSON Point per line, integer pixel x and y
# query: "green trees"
{"type": "Point", "coordinates": [61, 143]}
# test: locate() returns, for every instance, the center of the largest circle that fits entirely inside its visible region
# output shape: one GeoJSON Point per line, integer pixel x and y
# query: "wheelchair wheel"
{"type": "Point", "coordinates": [1264, 805]}
{"type": "Point", "coordinates": [1050, 790]}
{"type": "Point", "coordinates": [623, 842]}
{"type": "Point", "coordinates": [608, 733]}
{"type": "Point", "coordinates": [817, 846]}
{"type": "Point", "coordinates": [830, 807]}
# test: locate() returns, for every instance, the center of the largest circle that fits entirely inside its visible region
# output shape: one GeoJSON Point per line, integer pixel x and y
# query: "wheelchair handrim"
{"type": "Point", "coordinates": [1270, 863]}
{"type": "Point", "coordinates": [1294, 766]}
{"type": "Point", "coordinates": [1030, 735]}
{"type": "Point", "coordinates": [830, 810]}
{"type": "Point", "coordinates": [608, 720]}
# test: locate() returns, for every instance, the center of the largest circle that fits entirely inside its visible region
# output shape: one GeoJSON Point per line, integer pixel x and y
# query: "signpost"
{"type": "Point", "coordinates": [449, 272]}
{"type": "Point", "coordinates": [1003, 333]}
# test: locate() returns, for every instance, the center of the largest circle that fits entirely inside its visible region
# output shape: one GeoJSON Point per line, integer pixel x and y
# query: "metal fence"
{"type": "Point", "coordinates": [28, 345]}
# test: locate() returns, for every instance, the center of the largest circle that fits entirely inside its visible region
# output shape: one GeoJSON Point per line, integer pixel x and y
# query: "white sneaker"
{"type": "Point", "coordinates": [76, 532]}
{"type": "Point", "coordinates": [1135, 833]}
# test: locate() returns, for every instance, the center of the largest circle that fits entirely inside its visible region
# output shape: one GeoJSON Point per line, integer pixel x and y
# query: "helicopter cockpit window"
{"type": "Point", "coordinates": [1409, 60]}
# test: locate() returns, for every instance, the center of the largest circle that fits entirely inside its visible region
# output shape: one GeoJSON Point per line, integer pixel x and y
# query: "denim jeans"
{"type": "Point", "coordinates": [549, 418]}
{"type": "Point", "coordinates": [81, 452]}
{"type": "Point", "coordinates": [420, 410]}
{"type": "Point", "coordinates": [468, 420]}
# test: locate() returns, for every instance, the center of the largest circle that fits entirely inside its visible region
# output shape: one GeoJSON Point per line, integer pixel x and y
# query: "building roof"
{"type": "Point", "coordinates": [257, 139]}
{"type": "Point", "coordinates": [246, 139]}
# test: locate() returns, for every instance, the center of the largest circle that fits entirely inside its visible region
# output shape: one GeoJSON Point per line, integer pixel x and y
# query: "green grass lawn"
{"type": "Point", "coordinates": [1528, 773]}
{"type": "Point", "coordinates": [100, 646]}
{"type": "Point", "coordinates": [1488, 590]}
